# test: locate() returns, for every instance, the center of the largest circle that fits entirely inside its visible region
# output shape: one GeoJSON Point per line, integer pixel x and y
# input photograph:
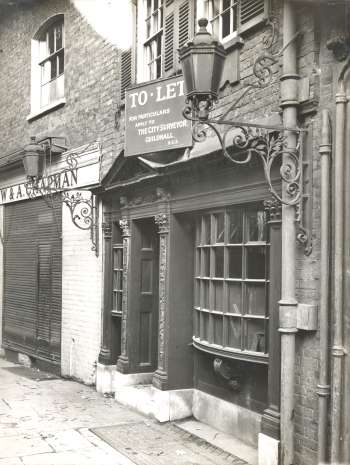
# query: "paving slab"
{"type": "Point", "coordinates": [18, 446]}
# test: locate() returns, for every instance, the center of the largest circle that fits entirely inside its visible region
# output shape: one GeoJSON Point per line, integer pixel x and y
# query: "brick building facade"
{"type": "Point", "coordinates": [178, 338]}
{"type": "Point", "coordinates": [85, 123]}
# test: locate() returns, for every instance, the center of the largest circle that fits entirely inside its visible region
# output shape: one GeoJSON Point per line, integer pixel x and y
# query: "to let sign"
{"type": "Point", "coordinates": [154, 120]}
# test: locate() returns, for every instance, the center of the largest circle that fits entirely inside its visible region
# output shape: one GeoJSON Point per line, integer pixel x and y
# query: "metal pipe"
{"type": "Point", "coordinates": [323, 388]}
{"type": "Point", "coordinates": [338, 349]}
{"type": "Point", "coordinates": [288, 303]}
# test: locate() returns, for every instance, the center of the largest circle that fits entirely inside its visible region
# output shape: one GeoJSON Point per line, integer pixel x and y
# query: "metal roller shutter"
{"type": "Point", "coordinates": [33, 277]}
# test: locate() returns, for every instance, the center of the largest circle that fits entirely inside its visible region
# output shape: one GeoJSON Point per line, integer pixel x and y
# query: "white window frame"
{"type": "Point", "coordinates": [152, 39]}
{"type": "Point", "coordinates": [233, 9]}
{"type": "Point", "coordinates": [40, 56]}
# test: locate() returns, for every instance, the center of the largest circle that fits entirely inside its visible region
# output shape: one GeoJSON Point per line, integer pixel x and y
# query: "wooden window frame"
{"type": "Point", "coordinates": [153, 43]}
{"type": "Point", "coordinates": [117, 271]}
{"type": "Point", "coordinates": [236, 25]}
{"type": "Point", "coordinates": [206, 313]}
{"type": "Point", "coordinates": [52, 62]}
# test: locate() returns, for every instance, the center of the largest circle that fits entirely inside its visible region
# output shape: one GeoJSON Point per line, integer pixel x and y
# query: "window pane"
{"type": "Point", "coordinates": [51, 41]}
{"type": "Point", "coordinates": [196, 323]}
{"type": "Point", "coordinates": [219, 227]}
{"type": "Point", "coordinates": [60, 63]}
{"type": "Point", "coordinates": [205, 295]}
{"type": "Point", "coordinates": [256, 226]}
{"type": "Point", "coordinates": [256, 298]}
{"type": "Point", "coordinates": [204, 320]}
{"type": "Point", "coordinates": [206, 226]}
{"type": "Point", "coordinates": [235, 262]}
{"type": "Point", "coordinates": [225, 4]}
{"type": "Point", "coordinates": [217, 322]}
{"type": "Point", "coordinates": [119, 302]}
{"type": "Point", "coordinates": [198, 232]}
{"type": "Point", "coordinates": [53, 67]}
{"type": "Point", "coordinates": [117, 281]}
{"type": "Point", "coordinates": [60, 86]}
{"type": "Point", "coordinates": [59, 37]}
{"type": "Point", "coordinates": [218, 297]}
{"type": "Point", "coordinates": [46, 72]}
{"type": "Point", "coordinates": [159, 45]}
{"type": "Point", "coordinates": [225, 18]}
{"type": "Point", "coordinates": [196, 293]}
{"type": "Point", "coordinates": [234, 333]}
{"type": "Point", "coordinates": [255, 337]}
{"type": "Point", "coordinates": [159, 67]}
{"type": "Point", "coordinates": [219, 262]}
{"type": "Point", "coordinates": [235, 227]}
{"type": "Point", "coordinates": [206, 262]}
{"type": "Point", "coordinates": [148, 28]}
{"type": "Point", "coordinates": [118, 258]}
{"type": "Point", "coordinates": [149, 7]}
{"type": "Point", "coordinates": [234, 297]}
{"type": "Point", "coordinates": [256, 262]}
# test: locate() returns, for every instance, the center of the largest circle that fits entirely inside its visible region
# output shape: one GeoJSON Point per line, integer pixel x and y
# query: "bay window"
{"type": "Point", "coordinates": [231, 287]}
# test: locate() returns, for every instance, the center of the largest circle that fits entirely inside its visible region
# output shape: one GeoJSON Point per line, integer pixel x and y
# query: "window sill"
{"type": "Point", "coordinates": [43, 111]}
{"type": "Point", "coordinates": [247, 356]}
{"type": "Point", "coordinates": [233, 44]}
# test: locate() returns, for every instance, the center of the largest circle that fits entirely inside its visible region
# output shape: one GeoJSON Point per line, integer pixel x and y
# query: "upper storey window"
{"type": "Point", "coordinates": [47, 89]}
{"type": "Point", "coordinates": [154, 34]}
{"type": "Point", "coordinates": [232, 17]}
{"type": "Point", "coordinates": [163, 26]}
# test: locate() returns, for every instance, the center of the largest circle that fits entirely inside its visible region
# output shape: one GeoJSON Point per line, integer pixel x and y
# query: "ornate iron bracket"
{"type": "Point", "coordinates": [225, 371]}
{"type": "Point", "coordinates": [242, 141]}
{"type": "Point", "coordinates": [84, 214]}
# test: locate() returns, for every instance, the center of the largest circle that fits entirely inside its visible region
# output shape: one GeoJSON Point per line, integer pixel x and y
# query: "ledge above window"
{"type": "Point", "coordinates": [44, 110]}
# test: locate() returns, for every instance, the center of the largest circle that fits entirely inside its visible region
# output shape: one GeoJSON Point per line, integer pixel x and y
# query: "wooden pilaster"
{"type": "Point", "coordinates": [105, 351]}
{"type": "Point", "coordinates": [160, 377]}
{"type": "Point", "coordinates": [123, 360]}
{"type": "Point", "coordinates": [270, 423]}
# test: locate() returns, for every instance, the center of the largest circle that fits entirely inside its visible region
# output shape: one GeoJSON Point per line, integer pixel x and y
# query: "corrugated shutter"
{"type": "Point", "coordinates": [126, 71]}
{"type": "Point", "coordinates": [178, 29]}
{"type": "Point", "coordinates": [252, 12]}
{"type": "Point", "coordinates": [33, 278]}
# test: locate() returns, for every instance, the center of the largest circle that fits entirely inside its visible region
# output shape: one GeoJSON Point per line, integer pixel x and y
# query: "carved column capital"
{"type": "Point", "coordinates": [124, 224]}
{"type": "Point", "coordinates": [162, 221]}
{"type": "Point", "coordinates": [273, 209]}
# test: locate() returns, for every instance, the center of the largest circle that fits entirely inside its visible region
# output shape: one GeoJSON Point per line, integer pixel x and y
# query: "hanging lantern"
{"type": "Point", "coordinates": [31, 158]}
{"type": "Point", "coordinates": [202, 63]}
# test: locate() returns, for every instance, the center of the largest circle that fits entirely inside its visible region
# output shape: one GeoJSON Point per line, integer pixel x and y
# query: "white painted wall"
{"type": "Point", "coordinates": [81, 301]}
{"type": "Point", "coordinates": [2, 233]}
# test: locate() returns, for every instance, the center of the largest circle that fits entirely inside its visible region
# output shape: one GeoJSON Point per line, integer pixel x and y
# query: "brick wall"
{"type": "Point", "coordinates": [91, 80]}
{"type": "Point", "coordinates": [81, 302]}
{"type": "Point", "coordinates": [92, 97]}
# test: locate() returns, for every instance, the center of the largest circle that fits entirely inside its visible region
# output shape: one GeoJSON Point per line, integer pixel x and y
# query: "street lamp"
{"type": "Point", "coordinates": [33, 153]}
{"type": "Point", "coordinates": [202, 61]}
{"type": "Point", "coordinates": [84, 212]}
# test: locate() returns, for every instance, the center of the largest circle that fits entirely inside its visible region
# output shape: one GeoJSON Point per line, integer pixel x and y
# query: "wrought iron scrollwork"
{"type": "Point", "coordinates": [84, 214]}
{"type": "Point", "coordinates": [241, 141]}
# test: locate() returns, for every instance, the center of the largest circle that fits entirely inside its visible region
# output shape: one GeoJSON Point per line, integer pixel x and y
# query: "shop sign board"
{"type": "Point", "coordinates": [153, 118]}
{"type": "Point", "coordinates": [69, 178]}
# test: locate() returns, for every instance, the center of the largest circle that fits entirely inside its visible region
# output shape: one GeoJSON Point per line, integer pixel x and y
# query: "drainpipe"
{"type": "Point", "coordinates": [288, 302]}
{"type": "Point", "coordinates": [323, 388]}
{"type": "Point", "coordinates": [338, 349]}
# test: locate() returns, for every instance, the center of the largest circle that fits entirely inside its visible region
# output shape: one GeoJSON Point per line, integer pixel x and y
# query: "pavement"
{"type": "Point", "coordinates": [48, 421]}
